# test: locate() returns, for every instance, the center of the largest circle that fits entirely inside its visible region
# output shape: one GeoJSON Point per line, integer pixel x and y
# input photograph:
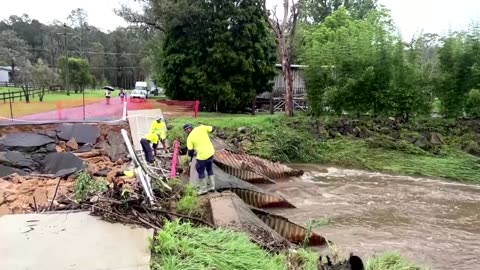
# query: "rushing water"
{"type": "Point", "coordinates": [431, 222]}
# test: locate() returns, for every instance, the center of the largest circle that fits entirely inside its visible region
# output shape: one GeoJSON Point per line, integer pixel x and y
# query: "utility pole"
{"type": "Point", "coordinates": [66, 58]}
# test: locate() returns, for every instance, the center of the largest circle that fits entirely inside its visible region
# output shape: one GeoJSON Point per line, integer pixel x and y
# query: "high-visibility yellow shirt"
{"type": "Point", "coordinates": [128, 173]}
{"type": "Point", "coordinates": [152, 137]}
{"type": "Point", "coordinates": [199, 141]}
{"type": "Point", "coordinates": [158, 128]}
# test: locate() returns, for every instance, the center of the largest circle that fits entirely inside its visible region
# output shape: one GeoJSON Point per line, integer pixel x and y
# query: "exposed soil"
{"type": "Point", "coordinates": [17, 193]}
{"type": "Point", "coordinates": [23, 195]}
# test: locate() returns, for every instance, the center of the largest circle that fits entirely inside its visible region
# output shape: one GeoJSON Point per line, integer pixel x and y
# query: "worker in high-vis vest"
{"type": "Point", "coordinates": [199, 144]}
{"type": "Point", "coordinates": [158, 127]}
{"type": "Point", "coordinates": [150, 151]}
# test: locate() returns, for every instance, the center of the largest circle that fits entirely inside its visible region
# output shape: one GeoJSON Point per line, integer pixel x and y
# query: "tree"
{"type": "Point", "coordinates": [78, 73]}
{"type": "Point", "coordinates": [316, 11]}
{"type": "Point", "coordinates": [78, 20]}
{"type": "Point", "coordinates": [97, 62]}
{"type": "Point", "coordinates": [284, 31]}
{"type": "Point", "coordinates": [13, 50]}
{"type": "Point", "coordinates": [25, 78]}
{"type": "Point", "coordinates": [43, 77]}
{"type": "Point", "coordinates": [219, 51]}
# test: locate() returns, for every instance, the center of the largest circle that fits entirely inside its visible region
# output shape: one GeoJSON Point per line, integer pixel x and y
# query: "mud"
{"type": "Point", "coordinates": [431, 222]}
{"type": "Point", "coordinates": [17, 195]}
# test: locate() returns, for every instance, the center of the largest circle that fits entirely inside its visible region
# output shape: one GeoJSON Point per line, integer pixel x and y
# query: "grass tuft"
{"type": "Point", "coordinates": [390, 261]}
{"type": "Point", "coordinates": [86, 186]}
{"type": "Point", "coordinates": [189, 202]}
{"type": "Point", "coordinates": [182, 246]}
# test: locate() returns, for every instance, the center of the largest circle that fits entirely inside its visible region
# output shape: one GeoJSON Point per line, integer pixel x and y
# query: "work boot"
{"type": "Point", "coordinates": [202, 188]}
{"type": "Point", "coordinates": [211, 183]}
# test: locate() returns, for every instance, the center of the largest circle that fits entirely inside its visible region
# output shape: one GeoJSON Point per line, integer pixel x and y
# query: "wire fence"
{"type": "Point", "coordinates": [91, 109]}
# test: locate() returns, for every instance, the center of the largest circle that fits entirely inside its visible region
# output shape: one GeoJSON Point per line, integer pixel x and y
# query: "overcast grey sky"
{"type": "Point", "coordinates": [411, 16]}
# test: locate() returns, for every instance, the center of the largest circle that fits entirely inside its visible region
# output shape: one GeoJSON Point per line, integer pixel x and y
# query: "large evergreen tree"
{"type": "Point", "coordinates": [222, 54]}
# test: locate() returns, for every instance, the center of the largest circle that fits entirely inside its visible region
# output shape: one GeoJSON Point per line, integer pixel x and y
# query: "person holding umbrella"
{"type": "Point", "coordinates": [108, 90]}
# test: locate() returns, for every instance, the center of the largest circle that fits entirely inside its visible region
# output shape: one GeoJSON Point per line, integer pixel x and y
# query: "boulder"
{"type": "Point", "coordinates": [17, 159]}
{"type": "Point", "coordinates": [26, 142]}
{"type": "Point", "coordinates": [116, 146]}
{"type": "Point", "coordinates": [62, 164]}
{"type": "Point", "coordinates": [423, 143]}
{"type": "Point", "coordinates": [82, 133]}
{"type": "Point", "coordinates": [101, 145]}
{"type": "Point", "coordinates": [72, 144]}
{"type": "Point", "coordinates": [5, 171]}
{"type": "Point", "coordinates": [62, 146]}
{"type": "Point", "coordinates": [84, 148]}
{"type": "Point", "coordinates": [50, 147]}
{"type": "Point", "coordinates": [436, 138]}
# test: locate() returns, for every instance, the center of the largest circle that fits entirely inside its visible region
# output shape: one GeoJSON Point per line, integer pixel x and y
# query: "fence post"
{"type": "Point", "coordinates": [10, 101]}
{"type": "Point", "coordinates": [124, 115]}
{"type": "Point", "coordinates": [59, 110]}
{"type": "Point", "coordinates": [197, 104]}
{"type": "Point", "coordinates": [173, 168]}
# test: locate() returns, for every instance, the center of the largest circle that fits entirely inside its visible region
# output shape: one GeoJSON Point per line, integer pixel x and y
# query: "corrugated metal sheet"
{"type": "Point", "coordinates": [289, 230]}
{"type": "Point", "coordinates": [261, 200]}
{"type": "Point", "coordinates": [252, 169]}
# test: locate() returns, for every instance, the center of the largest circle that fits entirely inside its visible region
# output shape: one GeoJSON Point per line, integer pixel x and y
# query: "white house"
{"type": "Point", "coordinates": [5, 74]}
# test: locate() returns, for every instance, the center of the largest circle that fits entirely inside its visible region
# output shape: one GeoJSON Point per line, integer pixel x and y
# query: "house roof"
{"type": "Point", "coordinates": [7, 68]}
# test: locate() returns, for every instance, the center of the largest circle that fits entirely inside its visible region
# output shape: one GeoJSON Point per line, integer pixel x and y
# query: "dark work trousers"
{"type": "Point", "coordinates": [203, 165]}
{"type": "Point", "coordinates": [147, 149]}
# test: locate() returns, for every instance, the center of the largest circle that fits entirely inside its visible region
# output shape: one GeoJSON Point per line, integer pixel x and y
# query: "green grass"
{"type": "Point", "coordinates": [451, 164]}
{"type": "Point", "coordinates": [290, 140]}
{"type": "Point", "coordinates": [86, 186]}
{"type": "Point", "coordinates": [49, 103]}
{"type": "Point", "coordinates": [390, 261]}
{"type": "Point", "coordinates": [189, 202]}
{"type": "Point", "coordinates": [182, 246]}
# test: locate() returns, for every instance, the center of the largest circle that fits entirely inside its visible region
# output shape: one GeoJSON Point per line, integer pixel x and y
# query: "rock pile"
{"type": "Point", "coordinates": [57, 151]}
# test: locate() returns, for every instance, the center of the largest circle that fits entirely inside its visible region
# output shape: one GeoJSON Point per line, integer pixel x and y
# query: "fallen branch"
{"type": "Point", "coordinates": [91, 154]}
{"type": "Point", "coordinates": [54, 194]}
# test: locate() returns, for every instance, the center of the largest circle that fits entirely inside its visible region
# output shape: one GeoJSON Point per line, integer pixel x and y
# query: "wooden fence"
{"type": "Point", "coordinates": [7, 84]}
{"type": "Point", "coordinates": [10, 96]}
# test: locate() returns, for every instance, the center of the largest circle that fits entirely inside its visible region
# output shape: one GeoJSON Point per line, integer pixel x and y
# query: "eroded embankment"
{"type": "Point", "coordinates": [433, 223]}
{"type": "Point", "coordinates": [40, 157]}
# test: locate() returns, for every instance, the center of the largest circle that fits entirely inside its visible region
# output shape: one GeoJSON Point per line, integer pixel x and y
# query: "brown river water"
{"type": "Point", "coordinates": [433, 223]}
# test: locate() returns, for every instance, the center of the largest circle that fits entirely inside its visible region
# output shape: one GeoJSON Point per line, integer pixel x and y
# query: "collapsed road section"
{"type": "Point", "coordinates": [50, 164]}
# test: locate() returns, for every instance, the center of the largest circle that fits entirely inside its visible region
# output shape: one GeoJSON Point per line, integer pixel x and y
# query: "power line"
{"type": "Point", "coordinates": [114, 68]}
{"type": "Point", "coordinates": [87, 52]}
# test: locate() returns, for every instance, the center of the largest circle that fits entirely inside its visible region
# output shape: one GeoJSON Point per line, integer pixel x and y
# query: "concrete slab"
{"type": "Point", "coordinates": [71, 241]}
{"type": "Point", "coordinates": [140, 122]}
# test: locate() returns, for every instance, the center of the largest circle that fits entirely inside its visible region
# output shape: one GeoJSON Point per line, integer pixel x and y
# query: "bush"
{"type": "Point", "coordinates": [472, 106]}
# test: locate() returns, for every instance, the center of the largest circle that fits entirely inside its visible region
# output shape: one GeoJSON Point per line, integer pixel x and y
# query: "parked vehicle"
{"type": "Point", "coordinates": [138, 95]}
{"type": "Point", "coordinates": [142, 86]}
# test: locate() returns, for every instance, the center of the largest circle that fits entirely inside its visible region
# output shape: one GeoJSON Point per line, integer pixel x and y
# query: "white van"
{"type": "Point", "coordinates": [142, 86]}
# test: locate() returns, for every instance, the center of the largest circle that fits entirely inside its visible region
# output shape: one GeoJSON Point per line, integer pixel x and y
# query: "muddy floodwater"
{"type": "Point", "coordinates": [431, 222]}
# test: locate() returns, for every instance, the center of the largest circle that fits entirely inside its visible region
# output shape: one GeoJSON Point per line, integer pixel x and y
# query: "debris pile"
{"type": "Point", "coordinates": [25, 194]}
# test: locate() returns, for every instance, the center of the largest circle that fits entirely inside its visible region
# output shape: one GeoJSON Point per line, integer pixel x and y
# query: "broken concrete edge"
{"type": "Point", "coordinates": [35, 142]}
{"type": "Point", "coordinates": [230, 212]}
{"type": "Point", "coordinates": [282, 226]}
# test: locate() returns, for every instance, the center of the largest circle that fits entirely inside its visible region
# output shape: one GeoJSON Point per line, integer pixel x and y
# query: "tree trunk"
{"type": "Point", "coordinates": [254, 101]}
{"type": "Point", "coordinates": [40, 97]}
{"type": "Point", "coordinates": [271, 103]}
{"type": "Point", "coordinates": [26, 93]}
{"type": "Point", "coordinates": [14, 79]}
{"type": "Point", "coordinates": [287, 76]}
